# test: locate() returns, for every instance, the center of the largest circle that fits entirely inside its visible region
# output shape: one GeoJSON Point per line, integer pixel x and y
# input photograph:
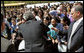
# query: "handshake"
{"type": "Point", "coordinates": [65, 28]}
{"type": "Point", "coordinates": [53, 28]}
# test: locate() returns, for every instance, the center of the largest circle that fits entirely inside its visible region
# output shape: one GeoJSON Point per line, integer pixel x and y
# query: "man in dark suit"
{"type": "Point", "coordinates": [75, 30]}
{"type": "Point", "coordinates": [6, 45]}
{"type": "Point", "coordinates": [33, 33]}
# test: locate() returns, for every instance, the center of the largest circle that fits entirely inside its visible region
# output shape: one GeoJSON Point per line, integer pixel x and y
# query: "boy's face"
{"type": "Point", "coordinates": [53, 22]}
{"type": "Point", "coordinates": [13, 22]}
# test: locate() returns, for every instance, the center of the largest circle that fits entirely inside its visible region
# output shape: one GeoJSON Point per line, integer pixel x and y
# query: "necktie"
{"type": "Point", "coordinates": [69, 42]}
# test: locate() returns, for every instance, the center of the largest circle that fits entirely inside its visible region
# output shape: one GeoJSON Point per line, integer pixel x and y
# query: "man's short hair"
{"type": "Point", "coordinates": [78, 8]}
{"type": "Point", "coordinates": [28, 15]}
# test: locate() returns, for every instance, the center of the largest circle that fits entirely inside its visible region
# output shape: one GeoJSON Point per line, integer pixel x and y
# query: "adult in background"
{"type": "Point", "coordinates": [75, 31]}
{"type": "Point", "coordinates": [6, 45]}
{"type": "Point", "coordinates": [33, 34]}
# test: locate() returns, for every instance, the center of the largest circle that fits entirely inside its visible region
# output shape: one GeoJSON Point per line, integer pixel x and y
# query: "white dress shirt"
{"type": "Point", "coordinates": [21, 45]}
{"type": "Point", "coordinates": [75, 25]}
{"type": "Point", "coordinates": [37, 18]}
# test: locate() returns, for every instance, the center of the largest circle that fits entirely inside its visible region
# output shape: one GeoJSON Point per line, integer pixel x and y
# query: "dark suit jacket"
{"type": "Point", "coordinates": [4, 44]}
{"type": "Point", "coordinates": [77, 38]}
{"type": "Point", "coordinates": [32, 32]}
{"type": "Point", "coordinates": [7, 46]}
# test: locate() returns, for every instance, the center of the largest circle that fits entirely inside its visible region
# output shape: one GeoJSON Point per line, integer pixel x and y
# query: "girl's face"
{"type": "Point", "coordinates": [45, 13]}
{"type": "Point", "coordinates": [45, 21]}
{"type": "Point", "coordinates": [13, 22]}
{"type": "Point", "coordinates": [62, 22]}
{"type": "Point", "coordinates": [40, 13]}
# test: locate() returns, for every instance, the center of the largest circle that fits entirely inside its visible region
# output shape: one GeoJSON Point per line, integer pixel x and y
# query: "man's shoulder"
{"type": "Point", "coordinates": [30, 22]}
{"type": "Point", "coordinates": [5, 40]}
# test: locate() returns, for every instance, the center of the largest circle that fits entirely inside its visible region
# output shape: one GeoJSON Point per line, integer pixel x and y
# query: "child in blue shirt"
{"type": "Point", "coordinates": [52, 34]}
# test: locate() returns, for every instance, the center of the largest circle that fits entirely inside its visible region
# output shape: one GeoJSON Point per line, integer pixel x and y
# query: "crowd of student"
{"type": "Point", "coordinates": [54, 16]}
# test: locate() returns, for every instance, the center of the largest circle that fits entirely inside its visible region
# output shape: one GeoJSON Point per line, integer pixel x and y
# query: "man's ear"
{"type": "Point", "coordinates": [78, 13]}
